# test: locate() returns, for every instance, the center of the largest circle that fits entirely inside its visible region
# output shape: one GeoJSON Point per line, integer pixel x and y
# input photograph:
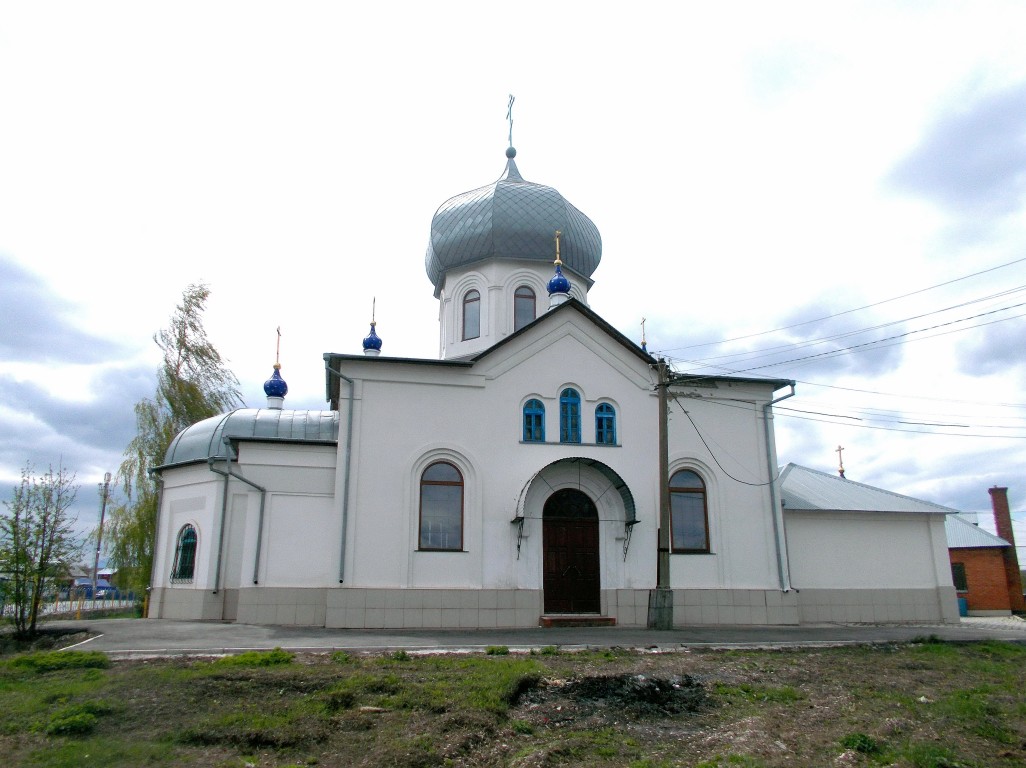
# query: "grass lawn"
{"type": "Point", "coordinates": [925, 704]}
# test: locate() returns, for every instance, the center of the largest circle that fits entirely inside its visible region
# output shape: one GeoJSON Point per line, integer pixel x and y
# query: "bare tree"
{"type": "Point", "coordinates": [37, 540]}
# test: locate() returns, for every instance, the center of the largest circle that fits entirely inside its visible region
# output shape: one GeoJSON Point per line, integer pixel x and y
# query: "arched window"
{"type": "Point", "coordinates": [569, 416]}
{"type": "Point", "coordinates": [471, 315]}
{"type": "Point", "coordinates": [523, 307]}
{"type": "Point", "coordinates": [185, 555]}
{"type": "Point", "coordinates": [441, 507]}
{"type": "Point", "coordinates": [534, 421]}
{"type": "Point", "coordinates": [689, 518]}
{"type": "Point", "coordinates": [605, 424]}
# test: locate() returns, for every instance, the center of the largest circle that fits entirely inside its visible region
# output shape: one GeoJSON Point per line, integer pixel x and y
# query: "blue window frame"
{"type": "Point", "coordinates": [605, 424]}
{"type": "Point", "coordinates": [534, 421]}
{"type": "Point", "coordinates": [569, 416]}
{"type": "Point", "coordinates": [185, 555]}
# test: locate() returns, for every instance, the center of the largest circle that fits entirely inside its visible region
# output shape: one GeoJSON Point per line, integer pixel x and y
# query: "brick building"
{"type": "Point", "coordinates": [984, 567]}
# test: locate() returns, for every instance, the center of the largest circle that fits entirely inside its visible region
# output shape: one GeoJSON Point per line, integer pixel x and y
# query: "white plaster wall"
{"type": "Point", "coordinates": [496, 280]}
{"type": "Point", "coordinates": [410, 415]}
{"type": "Point", "coordinates": [725, 445]}
{"type": "Point", "coordinates": [190, 497]}
{"type": "Point", "coordinates": [863, 550]}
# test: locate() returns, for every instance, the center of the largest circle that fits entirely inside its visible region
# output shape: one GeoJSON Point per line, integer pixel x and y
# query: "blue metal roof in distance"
{"type": "Point", "coordinates": [205, 439]}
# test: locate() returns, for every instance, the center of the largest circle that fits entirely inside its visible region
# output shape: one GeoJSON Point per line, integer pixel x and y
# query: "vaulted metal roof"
{"type": "Point", "coordinates": [802, 488]}
{"type": "Point", "coordinates": [206, 439]}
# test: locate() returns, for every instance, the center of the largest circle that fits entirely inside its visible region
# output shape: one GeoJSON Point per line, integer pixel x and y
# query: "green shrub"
{"type": "Point", "coordinates": [71, 724]}
{"type": "Point", "coordinates": [49, 661]}
{"type": "Point", "coordinates": [497, 650]}
{"type": "Point", "coordinates": [257, 659]}
{"type": "Point", "coordinates": [860, 742]}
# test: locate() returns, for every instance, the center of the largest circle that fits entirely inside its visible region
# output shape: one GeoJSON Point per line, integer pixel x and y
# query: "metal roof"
{"type": "Point", "coordinates": [205, 439]}
{"type": "Point", "coordinates": [963, 534]}
{"type": "Point", "coordinates": [802, 488]}
{"type": "Point", "coordinates": [511, 219]}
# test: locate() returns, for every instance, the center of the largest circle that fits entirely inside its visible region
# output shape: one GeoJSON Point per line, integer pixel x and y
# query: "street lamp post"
{"type": "Point", "coordinates": [104, 493]}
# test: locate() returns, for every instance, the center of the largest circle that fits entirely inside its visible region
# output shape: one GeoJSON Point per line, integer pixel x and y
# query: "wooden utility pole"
{"type": "Point", "coordinates": [660, 600]}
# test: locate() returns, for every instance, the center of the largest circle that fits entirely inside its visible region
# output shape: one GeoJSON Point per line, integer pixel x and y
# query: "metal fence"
{"type": "Point", "coordinates": [72, 604]}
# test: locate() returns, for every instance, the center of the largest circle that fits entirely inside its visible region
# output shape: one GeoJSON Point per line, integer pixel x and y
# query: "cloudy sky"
{"type": "Point", "coordinates": [827, 192]}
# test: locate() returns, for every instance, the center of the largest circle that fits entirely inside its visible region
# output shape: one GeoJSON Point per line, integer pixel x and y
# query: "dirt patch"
{"type": "Point", "coordinates": [612, 697]}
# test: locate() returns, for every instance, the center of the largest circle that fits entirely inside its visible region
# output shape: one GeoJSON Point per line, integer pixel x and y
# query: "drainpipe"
{"type": "Point", "coordinates": [346, 471]}
{"type": "Point", "coordinates": [224, 510]}
{"type": "Point", "coordinates": [778, 512]}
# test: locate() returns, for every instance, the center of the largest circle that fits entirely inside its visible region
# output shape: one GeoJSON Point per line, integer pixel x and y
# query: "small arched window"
{"type": "Point", "coordinates": [569, 416]}
{"type": "Point", "coordinates": [689, 517]}
{"type": "Point", "coordinates": [441, 507]}
{"type": "Point", "coordinates": [471, 315]}
{"type": "Point", "coordinates": [523, 307]}
{"type": "Point", "coordinates": [185, 556]}
{"type": "Point", "coordinates": [605, 424]}
{"type": "Point", "coordinates": [534, 421]}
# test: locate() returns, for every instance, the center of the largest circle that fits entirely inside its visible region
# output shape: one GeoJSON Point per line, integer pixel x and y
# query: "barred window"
{"type": "Point", "coordinates": [185, 556]}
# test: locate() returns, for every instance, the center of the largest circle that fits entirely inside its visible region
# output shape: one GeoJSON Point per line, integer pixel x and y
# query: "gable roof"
{"type": "Point", "coordinates": [333, 359]}
{"type": "Point", "coordinates": [962, 534]}
{"type": "Point", "coordinates": [802, 488]}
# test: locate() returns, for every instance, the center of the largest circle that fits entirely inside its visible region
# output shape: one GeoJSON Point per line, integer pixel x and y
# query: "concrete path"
{"type": "Point", "coordinates": [134, 638]}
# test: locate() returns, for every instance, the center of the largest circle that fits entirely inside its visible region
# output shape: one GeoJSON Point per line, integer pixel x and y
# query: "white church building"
{"type": "Point", "coordinates": [515, 480]}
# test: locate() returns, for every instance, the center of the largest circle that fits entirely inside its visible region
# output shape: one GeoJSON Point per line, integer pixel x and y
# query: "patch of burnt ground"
{"type": "Point", "coordinates": [625, 696]}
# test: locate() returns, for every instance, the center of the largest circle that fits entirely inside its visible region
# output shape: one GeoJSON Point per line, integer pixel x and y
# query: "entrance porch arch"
{"type": "Point", "coordinates": [578, 505]}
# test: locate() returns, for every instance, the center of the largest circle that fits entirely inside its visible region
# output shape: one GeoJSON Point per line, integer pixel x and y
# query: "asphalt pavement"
{"type": "Point", "coordinates": [141, 638]}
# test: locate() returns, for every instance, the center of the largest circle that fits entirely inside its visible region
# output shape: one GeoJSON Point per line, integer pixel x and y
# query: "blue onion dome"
{"type": "Point", "coordinates": [510, 219]}
{"type": "Point", "coordinates": [276, 386]}
{"type": "Point", "coordinates": [372, 340]}
{"type": "Point", "coordinates": [558, 283]}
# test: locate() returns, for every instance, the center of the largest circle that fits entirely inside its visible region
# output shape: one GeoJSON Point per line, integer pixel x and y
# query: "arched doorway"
{"type": "Point", "coordinates": [570, 542]}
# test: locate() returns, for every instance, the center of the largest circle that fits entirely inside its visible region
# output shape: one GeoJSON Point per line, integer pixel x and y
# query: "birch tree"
{"type": "Point", "coordinates": [37, 541]}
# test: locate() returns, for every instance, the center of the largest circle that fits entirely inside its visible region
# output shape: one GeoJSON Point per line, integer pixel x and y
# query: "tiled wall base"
{"type": "Point", "coordinates": [359, 608]}
{"type": "Point", "coordinates": [185, 604]}
{"type": "Point", "coordinates": [878, 606]}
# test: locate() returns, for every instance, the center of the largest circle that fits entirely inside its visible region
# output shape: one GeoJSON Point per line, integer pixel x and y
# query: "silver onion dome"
{"type": "Point", "coordinates": [510, 219]}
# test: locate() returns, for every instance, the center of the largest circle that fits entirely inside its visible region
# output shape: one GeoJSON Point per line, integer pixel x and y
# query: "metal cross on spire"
{"type": "Point", "coordinates": [509, 117]}
{"type": "Point", "coordinates": [840, 460]}
{"type": "Point", "coordinates": [277, 348]}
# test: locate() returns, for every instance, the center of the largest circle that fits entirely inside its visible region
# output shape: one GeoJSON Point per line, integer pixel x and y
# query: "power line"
{"type": "Point", "coordinates": [849, 311]}
{"type": "Point", "coordinates": [860, 347]}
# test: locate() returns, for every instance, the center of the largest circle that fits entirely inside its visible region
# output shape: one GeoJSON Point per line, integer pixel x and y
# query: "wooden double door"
{"type": "Point", "coordinates": [570, 541]}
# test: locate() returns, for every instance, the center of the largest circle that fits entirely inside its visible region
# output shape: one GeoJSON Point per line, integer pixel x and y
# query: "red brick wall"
{"type": "Point", "coordinates": [985, 577]}
{"type": "Point", "coordinates": [1003, 524]}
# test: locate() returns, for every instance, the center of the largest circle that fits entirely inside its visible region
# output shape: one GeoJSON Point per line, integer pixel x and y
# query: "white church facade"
{"type": "Point", "coordinates": [516, 478]}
